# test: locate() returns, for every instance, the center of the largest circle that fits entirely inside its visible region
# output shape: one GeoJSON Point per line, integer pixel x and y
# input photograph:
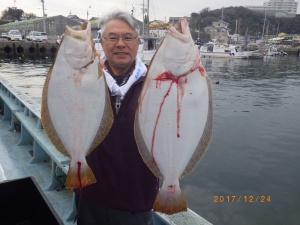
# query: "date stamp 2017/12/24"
{"type": "Point", "coordinates": [242, 198]}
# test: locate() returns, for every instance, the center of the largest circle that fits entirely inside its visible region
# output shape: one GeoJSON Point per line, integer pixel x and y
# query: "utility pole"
{"type": "Point", "coordinates": [87, 13]}
{"type": "Point", "coordinates": [277, 31]}
{"type": "Point", "coordinates": [143, 18]}
{"type": "Point", "coordinates": [15, 11]}
{"type": "Point", "coordinates": [147, 20]}
{"type": "Point", "coordinates": [44, 23]}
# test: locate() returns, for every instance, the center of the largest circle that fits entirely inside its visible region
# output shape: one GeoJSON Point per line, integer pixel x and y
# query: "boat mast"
{"type": "Point", "coordinates": [277, 31]}
{"type": "Point", "coordinates": [236, 26]}
{"type": "Point", "coordinates": [263, 32]}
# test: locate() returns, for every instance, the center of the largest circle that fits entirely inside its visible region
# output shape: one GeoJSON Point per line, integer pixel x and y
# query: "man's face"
{"type": "Point", "coordinates": [120, 44]}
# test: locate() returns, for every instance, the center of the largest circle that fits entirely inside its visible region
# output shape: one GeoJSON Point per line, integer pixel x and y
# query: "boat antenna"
{"type": "Point", "coordinates": [263, 32]}
{"type": "Point", "coordinates": [222, 17]}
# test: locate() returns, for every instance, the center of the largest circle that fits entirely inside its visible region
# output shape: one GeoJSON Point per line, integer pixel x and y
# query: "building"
{"type": "Point", "coordinates": [218, 31]}
{"type": "Point", "coordinates": [175, 20]}
{"type": "Point", "coordinates": [76, 18]}
{"type": "Point", "coordinates": [278, 8]}
{"type": "Point", "coordinates": [54, 26]}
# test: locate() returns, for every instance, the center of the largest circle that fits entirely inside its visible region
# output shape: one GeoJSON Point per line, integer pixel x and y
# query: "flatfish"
{"type": "Point", "coordinates": [173, 122]}
{"type": "Point", "coordinates": [76, 109]}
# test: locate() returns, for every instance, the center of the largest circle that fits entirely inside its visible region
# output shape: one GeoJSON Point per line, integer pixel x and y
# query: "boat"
{"type": "Point", "coordinates": [257, 54]}
{"type": "Point", "coordinates": [273, 51]}
{"type": "Point", "coordinates": [33, 172]}
{"type": "Point", "coordinates": [147, 48]}
{"type": "Point", "coordinates": [212, 49]}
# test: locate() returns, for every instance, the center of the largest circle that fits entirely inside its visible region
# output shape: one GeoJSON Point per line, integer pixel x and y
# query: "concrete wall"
{"type": "Point", "coordinates": [10, 49]}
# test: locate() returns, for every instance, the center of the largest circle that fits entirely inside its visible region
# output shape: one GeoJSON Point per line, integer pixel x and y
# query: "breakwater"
{"type": "Point", "coordinates": [288, 49]}
{"type": "Point", "coordinates": [12, 49]}
{"type": "Point", "coordinates": [291, 50]}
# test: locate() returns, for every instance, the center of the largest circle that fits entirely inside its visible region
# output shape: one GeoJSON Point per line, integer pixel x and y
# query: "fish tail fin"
{"type": "Point", "coordinates": [79, 176]}
{"type": "Point", "coordinates": [170, 202]}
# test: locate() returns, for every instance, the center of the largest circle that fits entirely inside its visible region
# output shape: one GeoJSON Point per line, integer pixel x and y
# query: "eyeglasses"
{"type": "Point", "coordinates": [114, 38]}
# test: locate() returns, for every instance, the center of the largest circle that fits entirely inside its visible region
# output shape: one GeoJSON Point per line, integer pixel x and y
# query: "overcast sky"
{"type": "Point", "coordinates": [159, 9]}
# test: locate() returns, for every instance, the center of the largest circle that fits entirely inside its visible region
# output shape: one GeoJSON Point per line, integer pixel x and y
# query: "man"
{"type": "Point", "coordinates": [125, 189]}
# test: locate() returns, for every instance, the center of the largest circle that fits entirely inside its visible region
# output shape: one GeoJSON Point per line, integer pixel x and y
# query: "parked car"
{"type": "Point", "coordinates": [3, 35]}
{"type": "Point", "coordinates": [44, 37]}
{"type": "Point", "coordinates": [34, 36]}
{"type": "Point", "coordinates": [14, 35]}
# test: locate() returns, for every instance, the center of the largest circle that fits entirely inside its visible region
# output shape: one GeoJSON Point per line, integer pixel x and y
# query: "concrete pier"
{"type": "Point", "coordinates": [21, 49]}
{"type": "Point", "coordinates": [290, 50]}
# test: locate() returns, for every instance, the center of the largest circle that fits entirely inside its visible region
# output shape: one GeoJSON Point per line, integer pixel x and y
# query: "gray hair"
{"type": "Point", "coordinates": [119, 15]}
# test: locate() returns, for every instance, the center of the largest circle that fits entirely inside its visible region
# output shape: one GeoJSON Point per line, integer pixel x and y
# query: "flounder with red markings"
{"type": "Point", "coordinates": [173, 123]}
{"type": "Point", "coordinates": [76, 108]}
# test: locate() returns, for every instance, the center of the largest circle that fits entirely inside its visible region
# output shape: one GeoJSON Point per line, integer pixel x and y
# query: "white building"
{"type": "Point", "coordinates": [218, 31]}
{"type": "Point", "coordinates": [278, 8]}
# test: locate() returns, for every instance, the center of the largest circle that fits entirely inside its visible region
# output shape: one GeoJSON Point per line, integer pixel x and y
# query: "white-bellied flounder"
{"type": "Point", "coordinates": [76, 109]}
{"type": "Point", "coordinates": [173, 124]}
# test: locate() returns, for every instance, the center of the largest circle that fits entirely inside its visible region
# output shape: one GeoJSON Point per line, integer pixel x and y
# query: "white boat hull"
{"type": "Point", "coordinates": [239, 55]}
{"type": "Point", "coordinates": [213, 50]}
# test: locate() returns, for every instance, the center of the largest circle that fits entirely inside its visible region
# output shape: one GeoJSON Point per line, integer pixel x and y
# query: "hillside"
{"type": "Point", "coordinates": [245, 21]}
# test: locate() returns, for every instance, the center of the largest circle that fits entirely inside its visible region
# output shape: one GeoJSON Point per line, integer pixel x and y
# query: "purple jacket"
{"type": "Point", "coordinates": [123, 180]}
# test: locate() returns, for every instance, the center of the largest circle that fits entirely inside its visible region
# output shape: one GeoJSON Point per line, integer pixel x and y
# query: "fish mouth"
{"type": "Point", "coordinates": [183, 31]}
{"type": "Point", "coordinates": [182, 34]}
{"type": "Point", "coordinates": [180, 26]}
{"type": "Point", "coordinates": [183, 26]}
{"type": "Point", "coordinates": [80, 32]}
{"type": "Point", "coordinates": [78, 45]}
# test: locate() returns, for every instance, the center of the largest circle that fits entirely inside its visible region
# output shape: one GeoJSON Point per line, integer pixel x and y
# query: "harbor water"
{"type": "Point", "coordinates": [250, 174]}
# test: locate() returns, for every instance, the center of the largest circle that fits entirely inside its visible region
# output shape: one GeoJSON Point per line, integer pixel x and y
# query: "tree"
{"type": "Point", "coordinates": [12, 14]}
{"type": "Point", "coordinates": [249, 21]}
{"type": "Point", "coordinates": [205, 12]}
{"type": "Point", "coordinates": [3, 22]}
{"type": "Point", "coordinates": [29, 15]}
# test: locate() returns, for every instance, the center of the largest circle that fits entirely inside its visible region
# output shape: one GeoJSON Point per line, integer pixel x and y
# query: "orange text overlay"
{"type": "Point", "coordinates": [242, 198]}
